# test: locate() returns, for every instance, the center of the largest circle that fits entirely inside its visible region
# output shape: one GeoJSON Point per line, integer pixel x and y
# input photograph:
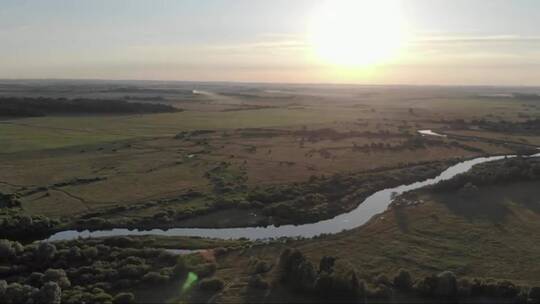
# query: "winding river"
{"type": "Point", "coordinates": [371, 206]}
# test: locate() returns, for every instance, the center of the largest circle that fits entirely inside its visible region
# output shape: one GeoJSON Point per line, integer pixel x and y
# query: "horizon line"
{"type": "Point", "coordinates": [276, 82]}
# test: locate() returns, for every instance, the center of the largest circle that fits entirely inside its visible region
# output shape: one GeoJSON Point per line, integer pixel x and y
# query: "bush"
{"type": "Point", "coordinates": [464, 288]}
{"type": "Point", "coordinates": [35, 279]}
{"type": "Point", "coordinates": [3, 288]}
{"type": "Point", "coordinates": [257, 282]}
{"type": "Point", "coordinates": [382, 280]}
{"type": "Point", "coordinates": [403, 280]}
{"type": "Point", "coordinates": [534, 294]}
{"type": "Point", "coordinates": [261, 267]}
{"type": "Point", "coordinates": [380, 293]}
{"type": "Point", "coordinates": [45, 252]}
{"type": "Point", "coordinates": [212, 285]}
{"type": "Point", "coordinates": [205, 270]}
{"type": "Point", "coordinates": [446, 285]}
{"type": "Point", "coordinates": [296, 270]}
{"type": "Point", "coordinates": [167, 258]}
{"type": "Point", "coordinates": [124, 298]}
{"type": "Point", "coordinates": [155, 278]}
{"type": "Point", "coordinates": [326, 264]}
{"type": "Point", "coordinates": [340, 282]}
{"type": "Point", "coordinates": [426, 287]}
{"type": "Point", "coordinates": [58, 276]}
{"type": "Point", "coordinates": [507, 289]}
{"type": "Point", "coordinates": [90, 253]}
{"type": "Point", "coordinates": [50, 293]}
{"type": "Point", "coordinates": [132, 271]}
{"type": "Point", "coordinates": [180, 267]}
{"type": "Point", "coordinates": [7, 250]}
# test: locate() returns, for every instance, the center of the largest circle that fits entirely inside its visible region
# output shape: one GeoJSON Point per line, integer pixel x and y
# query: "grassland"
{"type": "Point", "coordinates": [246, 155]}
{"type": "Point", "coordinates": [487, 235]}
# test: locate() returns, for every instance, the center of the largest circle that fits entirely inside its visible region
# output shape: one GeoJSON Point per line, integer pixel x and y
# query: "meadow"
{"type": "Point", "coordinates": [253, 155]}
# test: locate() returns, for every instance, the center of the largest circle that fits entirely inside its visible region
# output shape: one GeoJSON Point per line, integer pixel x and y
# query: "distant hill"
{"type": "Point", "coordinates": [41, 106]}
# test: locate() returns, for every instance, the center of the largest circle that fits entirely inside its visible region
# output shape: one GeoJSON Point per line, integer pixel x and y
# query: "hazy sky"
{"type": "Point", "coordinates": [449, 41]}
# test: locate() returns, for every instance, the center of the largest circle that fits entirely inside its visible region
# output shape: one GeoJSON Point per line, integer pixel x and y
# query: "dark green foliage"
{"type": "Point", "coordinates": [257, 282]}
{"type": "Point", "coordinates": [296, 271]}
{"type": "Point", "coordinates": [84, 271]}
{"type": "Point", "coordinates": [205, 270]}
{"type": "Point", "coordinates": [327, 264]}
{"type": "Point", "coordinates": [9, 249]}
{"type": "Point", "coordinates": [50, 293]}
{"type": "Point", "coordinates": [258, 266]}
{"type": "Point", "coordinates": [58, 276]}
{"type": "Point", "coordinates": [155, 278]}
{"type": "Point", "coordinates": [446, 285]}
{"type": "Point", "coordinates": [336, 280]}
{"type": "Point", "coordinates": [22, 226]}
{"type": "Point", "coordinates": [27, 106]}
{"type": "Point", "coordinates": [45, 252]}
{"type": "Point", "coordinates": [492, 173]}
{"type": "Point", "coordinates": [211, 284]}
{"type": "Point", "coordinates": [403, 280]}
{"type": "Point", "coordinates": [9, 201]}
{"type": "Point", "coordinates": [534, 294]}
{"type": "Point", "coordinates": [124, 298]}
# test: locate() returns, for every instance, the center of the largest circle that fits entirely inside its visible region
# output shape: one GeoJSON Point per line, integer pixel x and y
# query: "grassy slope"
{"type": "Point", "coordinates": [427, 239]}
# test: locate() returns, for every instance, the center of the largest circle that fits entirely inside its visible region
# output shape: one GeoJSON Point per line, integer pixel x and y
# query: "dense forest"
{"type": "Point", "coordinates": [41, 106]}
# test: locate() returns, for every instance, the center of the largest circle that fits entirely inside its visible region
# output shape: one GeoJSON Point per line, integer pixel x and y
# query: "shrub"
{"type": "Point", "coordinates": [382, 280]}
{"type": "Point", "coordinates": [257, 282]}
{"type": "Point", "coordinates": [261, 267]}
{"type": "Point", "coordinates": [120, 241]}
{"type": "Point", "coordinates": [507, 289]}
{"type": "Point", "coordinates": [17, 293]}
{"type": "Point", "coordinates": [220, 251]}
{"type": "Point", "coordinates": [7, 250]}
{"type": "Point", "coordinates": [50, 293]}
{"type": "Point", "coordinates": [35, 279]}
{"type": "Point", "coordinates": [3, 288]}
{"type": "Point", "coordinates": [102, 297]}
{"type": "Point", "coordinates": [534, 294]}
{"type": "Point", "coordinates": [167, 258]}
{"type": "Point", "coordinates": [212, 284]}
{"type": "Point", "coordinates": [345, 284]}
{"type": "Point", "coordinates": [205, 270]}
{"type": "Point", "coordinates": [426, 286]}
{"type": "Point", "coordinates": [58, 276]}
{"type": "Point", "coordinates": [446, 285]}
{"type": "Point", "coordinates": [464, 288]}
{"type": "Point", "coordinates": [90, 253]}
{"type": "Point", "coordinates": [326, 264]}
{"type": "Point", "coordinates": [403, 280]}
{"type": "Point", "coordinates": [155, 278]}
{"type": "Point", "coordinates": [180, 267]}
{"type": "Point", "coordinates": [296, 270]}
{"type": "Point", "coordinates": [381, 293]}
{"type": "Point", "coordinates": [46, 252]}
{"type": "Point", "coordinates": [132, 271]}
{"type": "Point", "coordinates": [124, 298]}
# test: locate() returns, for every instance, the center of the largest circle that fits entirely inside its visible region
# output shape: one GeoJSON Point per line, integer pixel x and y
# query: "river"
{"type": "Point", "coordinates": [371, 206]}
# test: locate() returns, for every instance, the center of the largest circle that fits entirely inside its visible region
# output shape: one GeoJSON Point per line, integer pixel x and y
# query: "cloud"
{"type": "Point", "coordinates": [449, 38]}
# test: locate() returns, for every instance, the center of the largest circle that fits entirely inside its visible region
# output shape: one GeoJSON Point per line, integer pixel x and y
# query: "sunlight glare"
{"type": "Point", "coordinates": [357, 32]}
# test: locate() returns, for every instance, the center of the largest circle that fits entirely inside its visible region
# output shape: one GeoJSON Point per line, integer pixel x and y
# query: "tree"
{"type": "Point", "coordinates": [124, 298]}
{"type": "Point", "coordinates": [403, 280]}
{"type": "Point", "coordinates": [50, 292]}
{"type": "Point", "coordinates": [58, 276]}
{"type": "Point", "coordinates": [212, 284]}
{"type": "Point", "coordinates": [46, 252]}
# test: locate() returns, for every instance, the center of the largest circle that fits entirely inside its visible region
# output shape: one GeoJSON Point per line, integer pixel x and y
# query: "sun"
{"type": "Point", "coordinates": [355, 33]}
